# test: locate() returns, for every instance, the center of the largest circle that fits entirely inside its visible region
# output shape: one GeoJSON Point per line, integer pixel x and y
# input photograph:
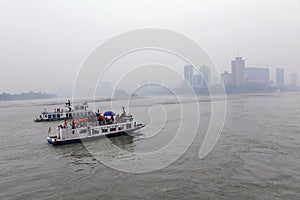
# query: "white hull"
{"type": "Point", "coordinates": [69, 135]}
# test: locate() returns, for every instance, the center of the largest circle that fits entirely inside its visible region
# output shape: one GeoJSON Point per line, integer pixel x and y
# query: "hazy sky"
{"type": "Point", "coordinates": [43, 43]}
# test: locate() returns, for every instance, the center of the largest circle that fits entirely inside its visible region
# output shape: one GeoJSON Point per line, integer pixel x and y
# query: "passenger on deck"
{"type": "Point", "coordinates": [73, 124]}
{"type": "Point", "coordinates": [65, 124]}
{"type": "Point", "coordinates": [98, 119]}
{"type": "Point", "coordinates": [117, 118]}
{"type": "Point", "coordinates": [58, 131]}
{"type": "Point", "coordinates": [98, 113]}
{"type": "Point", "coordinates": [101, 119]}
{"type": "Point", "coordinates": [85, 120]}
{"type": "Point", "coordinates": [112, 119]}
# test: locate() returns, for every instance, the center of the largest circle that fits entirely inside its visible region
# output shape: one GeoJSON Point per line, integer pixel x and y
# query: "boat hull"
{"type": "Point", "coordinates": [55, 142]}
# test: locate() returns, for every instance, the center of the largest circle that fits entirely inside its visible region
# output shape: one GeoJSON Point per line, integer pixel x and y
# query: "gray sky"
{"type": "Point", "coordinates": [43, 43]}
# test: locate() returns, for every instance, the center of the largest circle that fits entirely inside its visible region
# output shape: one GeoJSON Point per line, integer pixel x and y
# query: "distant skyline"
{"type": "Point", "coordinates": [44, 43]}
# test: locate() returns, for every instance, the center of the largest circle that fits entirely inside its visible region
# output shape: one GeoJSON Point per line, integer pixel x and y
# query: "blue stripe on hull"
{"type": "Point", "coordinates": [64, 142]}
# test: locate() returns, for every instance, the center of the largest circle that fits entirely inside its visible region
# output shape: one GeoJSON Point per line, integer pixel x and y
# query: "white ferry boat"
{"type": "Point", "coordinates": [85, 130]}
{"type": "Point", "coordinates": [76, 111]}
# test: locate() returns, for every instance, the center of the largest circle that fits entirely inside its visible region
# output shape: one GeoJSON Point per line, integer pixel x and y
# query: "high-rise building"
{"type": "Point", "coordinates": [238, 71]}
{"type": "Point", "coordinates": [226, 78]}
{"type": "Point", "coordinates": [206, 76]}
{"type": "Point", "coordinates": [279, 77]}
{"type": "Point", "coordinates": [257, 75]}
{"type": "Point", "coordinates": [294, 79]}
{"type": "Point", "coordinates": [197, 81]}
{"type": "Point", "coordinates": [189, 73]}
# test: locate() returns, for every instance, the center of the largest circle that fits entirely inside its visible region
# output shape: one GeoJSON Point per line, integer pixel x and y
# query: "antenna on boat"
{"type": "Point", "coordinates": [68, 105]}
{"type": "Point", "coordinates": [68, 102]}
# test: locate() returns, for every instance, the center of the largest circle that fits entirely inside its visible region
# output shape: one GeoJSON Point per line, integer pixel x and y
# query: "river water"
{"type": "Point", "coordinates": [256, 157]}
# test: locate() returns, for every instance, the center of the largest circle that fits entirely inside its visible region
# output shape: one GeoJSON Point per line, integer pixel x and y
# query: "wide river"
{"type": "Point", "coordinates": [256, 157]}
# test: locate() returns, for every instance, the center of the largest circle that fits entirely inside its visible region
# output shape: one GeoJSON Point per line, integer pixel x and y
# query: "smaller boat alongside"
{"type": "Point", "coordinates": [108, 124]}
{"type": "Point", "coordinates": [70, 112]}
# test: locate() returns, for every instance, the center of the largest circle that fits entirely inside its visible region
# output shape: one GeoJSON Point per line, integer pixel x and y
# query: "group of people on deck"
{"type": "Point", "coordinates": [75, 123]}
{"type": "Point", "coordinates": [102, 119]}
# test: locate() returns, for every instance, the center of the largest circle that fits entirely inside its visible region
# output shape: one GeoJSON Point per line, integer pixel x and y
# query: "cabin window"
{"type": "Point", "coordinates": [128, 126]}
{"type": "Point", "coordinates": [113, 128]}
{"type": "Point", "coordinates": [58, 115]}
{"type": "Point", "coordinates": [49, 117]}
{"type": "Point", "coordinates": [82, 131]}
{"type": "Point", "coordinates": [54, 116]}
{"type": "Point", "coordinates": [104, 130]}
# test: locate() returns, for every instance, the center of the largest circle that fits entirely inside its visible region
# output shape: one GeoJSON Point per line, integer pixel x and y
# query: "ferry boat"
{"type": "Point", "coordinates": [76, 111]}
{"type": "Point", "coordinates": [86, 130]}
